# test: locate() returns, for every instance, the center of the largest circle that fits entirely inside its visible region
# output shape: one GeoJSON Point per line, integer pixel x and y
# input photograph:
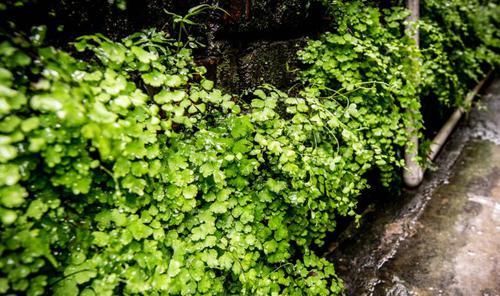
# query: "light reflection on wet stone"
{"type": "Point", "coordinates": [443, 238]}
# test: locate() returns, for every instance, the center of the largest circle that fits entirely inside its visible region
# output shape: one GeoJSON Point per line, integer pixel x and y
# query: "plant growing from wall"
{"type": "Point", "coordinates": [460, 43]}
{"type": "Point", "coordinates": [129, 172]}
{"type": "Point", "coordinates": [369, 63]}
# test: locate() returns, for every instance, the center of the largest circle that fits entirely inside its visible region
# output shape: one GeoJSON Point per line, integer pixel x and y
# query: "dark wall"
{"type": "Point", "coordinates": [256, 43]}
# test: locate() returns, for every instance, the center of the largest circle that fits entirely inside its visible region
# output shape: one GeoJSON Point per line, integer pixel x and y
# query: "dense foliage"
{"type": "Point", "coordinates": [460, 42]}
{"type": "Point", "coordinates": [385, 73]}
{"type": "Point", "coordinates": [368, 63]}
{"type": "Point", "coordinates": [130, 173]}
{"type": "Point", "coordinates": [125, 171]}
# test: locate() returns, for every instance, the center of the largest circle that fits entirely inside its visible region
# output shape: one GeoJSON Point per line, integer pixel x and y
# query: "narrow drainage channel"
{"type": "Point", "coordinates": [442, 238]}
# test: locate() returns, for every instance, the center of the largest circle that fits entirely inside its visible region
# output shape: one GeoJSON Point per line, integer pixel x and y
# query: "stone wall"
{"type": "Point", "coordinates": [256, 43]}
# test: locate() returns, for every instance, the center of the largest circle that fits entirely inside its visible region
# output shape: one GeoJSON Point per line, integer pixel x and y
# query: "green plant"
{"type": "Point", "coordinates": [368, 63]}
{"type": "Point", "coordinates": [12, 3]}
{"type": "Point", "coordinates": [180, 23]}
{"type": "Point", "coordinates": [460, 43]}
{"type": "Point", "coordinates": [131, 174]}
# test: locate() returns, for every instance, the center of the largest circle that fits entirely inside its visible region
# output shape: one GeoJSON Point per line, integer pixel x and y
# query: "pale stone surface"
{"type": "Point", "coordinates": [444, 237]}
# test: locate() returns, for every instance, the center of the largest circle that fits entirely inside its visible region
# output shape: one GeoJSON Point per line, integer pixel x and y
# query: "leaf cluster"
{"type": "Point", "coordinates": [129, 173]}
{"type": "Point", "coordinates": [367, 67]}
{"type": "Point", "coordinates": [460, 42]}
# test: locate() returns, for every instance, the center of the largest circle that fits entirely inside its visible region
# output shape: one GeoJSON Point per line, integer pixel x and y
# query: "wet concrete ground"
{"type": "Point", "coordinates": [444, 237]}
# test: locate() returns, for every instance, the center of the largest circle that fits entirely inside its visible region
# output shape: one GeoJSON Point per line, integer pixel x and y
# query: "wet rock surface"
{"type": "Point", "coordinates": [255, 42]}
{"type": "Point", "coordinates": [259, 62]}
{"type": "Point", "coordinates": [444, 237]}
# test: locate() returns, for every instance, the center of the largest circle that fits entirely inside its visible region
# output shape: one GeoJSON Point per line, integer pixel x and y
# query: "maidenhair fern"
{"type": "Point", "coordinates": [129, 172]}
